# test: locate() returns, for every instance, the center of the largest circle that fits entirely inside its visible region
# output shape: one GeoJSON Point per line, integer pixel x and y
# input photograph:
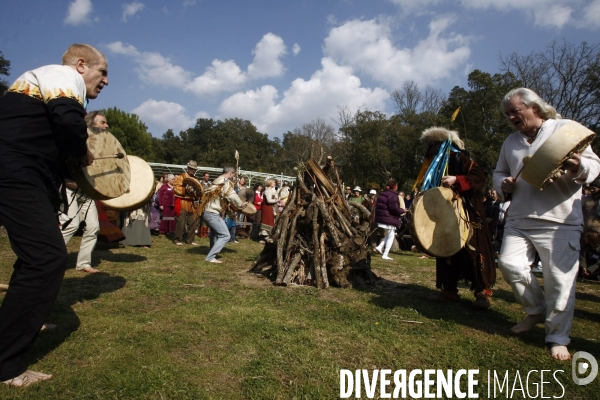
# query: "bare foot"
{"type": "Point", "coordinates": [48, 327]}
{"type": "Point", "coordinates": [559, 352]}
{"type": "Point", "coordinates": [27, 378]}
{"type": "Point", "coordinates": [528, 323]}
{"type": "Point", "coordinates": [89, 270]}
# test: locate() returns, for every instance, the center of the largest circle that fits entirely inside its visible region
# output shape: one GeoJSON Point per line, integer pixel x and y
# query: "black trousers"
{"type": "Point", "coordinates": [30, 220]}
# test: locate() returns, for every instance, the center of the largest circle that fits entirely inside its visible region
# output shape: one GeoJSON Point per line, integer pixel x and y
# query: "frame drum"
{"type": "Point", "coordinates": [140, 191]}
{"type": "Point", "coordinates": [546, 164]}
{"type": "Point", "coordinates": [107, 178]}
{"type": "Point", "coordinates": [438, 222]}
{"type": "Point", "coordinates": [193, 188]}
{"type": "Point", "coordinates": [250, 209]}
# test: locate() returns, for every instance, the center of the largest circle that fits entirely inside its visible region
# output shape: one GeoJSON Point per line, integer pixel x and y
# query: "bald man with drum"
{"type": "Point", "coordinates": [41, 124]}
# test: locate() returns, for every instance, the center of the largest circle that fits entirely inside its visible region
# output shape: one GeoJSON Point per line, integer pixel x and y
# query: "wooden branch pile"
{"type": "Point", "coordinates": [319, 239]}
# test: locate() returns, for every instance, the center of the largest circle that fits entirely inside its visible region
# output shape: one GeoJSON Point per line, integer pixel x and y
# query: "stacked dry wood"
{"type": "Point", "coordinates": [319, 238]}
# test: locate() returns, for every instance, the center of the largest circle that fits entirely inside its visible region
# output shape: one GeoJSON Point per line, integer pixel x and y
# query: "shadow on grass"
{"type": "Point", "coordinates": [587, 296]}
{"type": "Point", "coordinates": [203, 250]}
{"type": "Point", "coordinates": [73, 291]}
{"type": "Point", "coordinates": [105, 255]}
{"type": "Point", "coordinates": [391, 295]}
{"type": "Point", "coordinates": [590, 316]}
{"type": "Point", "coordinates": [414, 297]}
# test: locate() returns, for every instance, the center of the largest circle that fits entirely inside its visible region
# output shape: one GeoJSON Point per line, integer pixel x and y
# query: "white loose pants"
{"type": "Point", "coordinates": [559, 253]}
{"type": "Point", "coordinates": [388, 240]}
{"type": "Point", "coordinates": [82, 208]}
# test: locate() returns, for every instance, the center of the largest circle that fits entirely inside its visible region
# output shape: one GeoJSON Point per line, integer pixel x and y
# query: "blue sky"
{"type": "Point", "coordinates": [281, 64]}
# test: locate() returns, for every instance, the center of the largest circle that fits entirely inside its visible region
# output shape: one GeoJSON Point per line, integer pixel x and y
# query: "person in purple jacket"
{"type": "Point", "coordinates": [387, 217]}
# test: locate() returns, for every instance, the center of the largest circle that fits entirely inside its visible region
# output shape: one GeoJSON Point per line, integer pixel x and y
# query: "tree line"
{"type": "Point", "coordinates": [368, 146]}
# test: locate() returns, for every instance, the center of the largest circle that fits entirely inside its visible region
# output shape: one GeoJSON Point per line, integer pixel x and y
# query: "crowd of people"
{"type": "Point", "coordinates": [43, 122]}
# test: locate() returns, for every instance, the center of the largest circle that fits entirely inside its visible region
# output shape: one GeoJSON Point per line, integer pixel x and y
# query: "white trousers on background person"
{"type": "Point", "coordinates": [388, 240]}
{"type": "Point", "coordinates": [559, 253]}
{"type": "Point", "coordinates": [83, 208]}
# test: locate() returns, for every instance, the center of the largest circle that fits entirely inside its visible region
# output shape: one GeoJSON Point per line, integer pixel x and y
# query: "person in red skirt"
{"type": "Point", "coordinates": [166, 200]}
{"type": "Point", "coordinates": [268, 213]}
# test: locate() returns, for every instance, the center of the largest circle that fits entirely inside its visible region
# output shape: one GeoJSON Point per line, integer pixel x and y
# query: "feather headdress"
{"type": "Point", "coordinates": [435, 135]}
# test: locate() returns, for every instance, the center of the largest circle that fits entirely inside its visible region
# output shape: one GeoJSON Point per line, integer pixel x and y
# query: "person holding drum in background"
{"type": "Point", "coordinates": [41, 123]}
{"type": "Point", "coordinates": [187, 220]}
{"type": "Point", "coordinates": [475, 261]}
{"type": "Point", "coordinates": [549, 221]}
{"type": "Point", "coordinates": [83, 208]}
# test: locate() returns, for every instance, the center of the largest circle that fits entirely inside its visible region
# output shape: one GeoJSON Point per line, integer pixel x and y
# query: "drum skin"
{"type": "Point", "coordinates": [193, 188]}
{"type": "Point", "coordinates": [140, 190]}
{"type": "Point", "coordinates": [546, 164]}
{"type": "Point", "coordinates": [438, 223]}
{"type": "Point", "coordinates": [108, 178]}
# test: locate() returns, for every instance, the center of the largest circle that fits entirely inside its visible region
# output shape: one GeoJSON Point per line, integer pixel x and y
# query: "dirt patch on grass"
{"type": "Point", "coordinates": [254, 280]}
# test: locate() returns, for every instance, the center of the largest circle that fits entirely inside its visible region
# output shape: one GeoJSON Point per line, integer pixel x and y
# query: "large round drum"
{"type": "Point", "coordinates": [247, 196]}
{"type": "Point", "coordinates": [439, 225]}
{"type": "Point", "coordinates": [106, 178]}
{"type": "Point", "coordinates": [193, 188]}
{"type": "Point", "coordinates": [546, 164]}
{"type": "Point", "coordinates": [249, 209]}
{"type": "Point", "coordinates": [140, 191]}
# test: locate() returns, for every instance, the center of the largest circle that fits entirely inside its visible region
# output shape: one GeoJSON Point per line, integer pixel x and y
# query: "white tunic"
{"type": "Point", "coordinates": [560, 202]}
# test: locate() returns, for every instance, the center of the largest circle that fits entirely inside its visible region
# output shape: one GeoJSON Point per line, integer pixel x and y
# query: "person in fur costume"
{"type": "Point", "coordinates": [474, 262]}
{"type": "Point", "coordinates": [216, 201]}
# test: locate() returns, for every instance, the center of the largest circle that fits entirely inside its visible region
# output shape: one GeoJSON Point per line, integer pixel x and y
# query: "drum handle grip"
{"type": "Point", "coordinates": [118, 155]}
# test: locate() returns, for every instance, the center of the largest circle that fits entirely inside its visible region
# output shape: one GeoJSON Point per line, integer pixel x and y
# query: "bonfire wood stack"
{"type": "Point", "coordinates": [319, 238]}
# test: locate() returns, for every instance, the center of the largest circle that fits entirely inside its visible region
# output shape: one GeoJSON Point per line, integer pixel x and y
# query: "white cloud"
{"type": "Point", "coordinates": [368, 46]}
{"type": "Point", "coordinates": [79, 12]}
{"type": "Point", "coordinates": [267, 54]}
{"type": "Point", "coordinates": [219, 77]}
{"type": "Point", "coordinates": [591, 15]}
{"type": "Point", "coordinates": [123, 48]}
{"type": "Point", "coordinates": [329, 87]}
{"type": "Point", "coordinates": [130, 9]}
{"type": "Point", "coordinates": [152, 67]}
{"type": "Point", "coordinates": [546, 13]}
{"type": "Point", "coordinates": [159, 70]}
{"type": "Point", "coordinates": [227, 76]}
{"type": "Point", "coordinates": [164, 114]}
{"type": "Point", "coordinates": [554, 16]}
{"type": "Point", "coordinates": [296, 49]}
{"type": "Point", "coordinates": [253, 105]}
{"type": "Point", "coordinates": [412, 6]}
{"type": "Point", "coordinates": [201, 114]}
{"type": "Point", "coordinates": [188, 3]}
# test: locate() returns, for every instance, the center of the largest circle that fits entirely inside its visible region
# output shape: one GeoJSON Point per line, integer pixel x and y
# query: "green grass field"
{"type": "Point", "coordinates": [161, 323]}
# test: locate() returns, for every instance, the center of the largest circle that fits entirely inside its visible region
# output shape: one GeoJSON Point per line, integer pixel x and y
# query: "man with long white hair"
{"type": "Point", "coordinates": [548, 222]}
